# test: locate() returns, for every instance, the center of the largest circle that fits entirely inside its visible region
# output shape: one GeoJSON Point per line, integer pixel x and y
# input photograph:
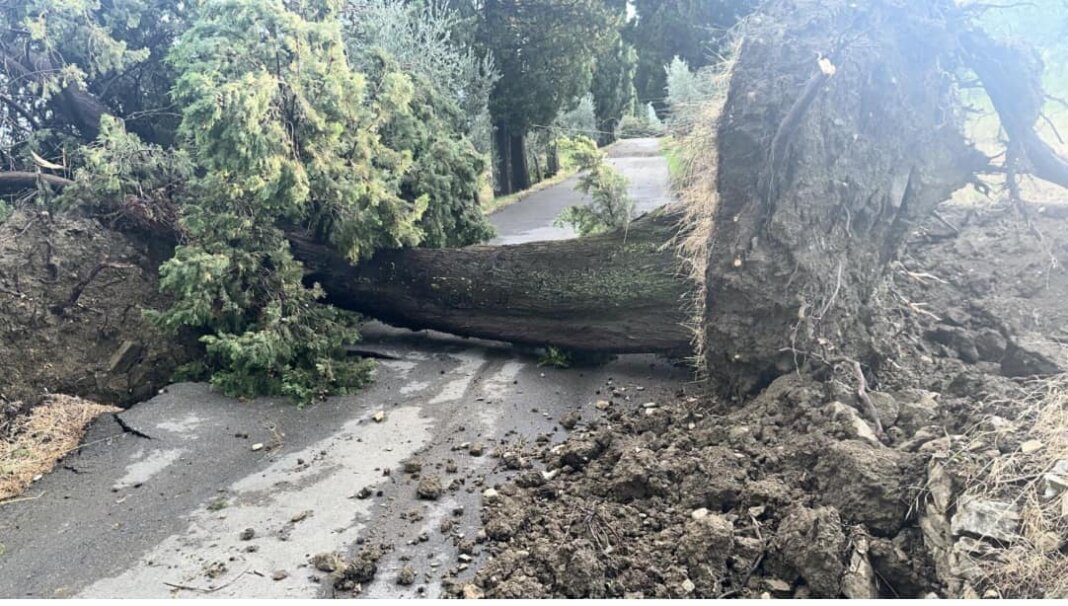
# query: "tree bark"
{"type": "Point", "coordinates": [616, 292]}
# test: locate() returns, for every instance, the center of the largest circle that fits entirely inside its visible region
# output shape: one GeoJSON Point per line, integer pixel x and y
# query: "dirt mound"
{"type": "Point", "coordinates": [795, 493]}
{"type": "Point", "coordinates": [71, 299]}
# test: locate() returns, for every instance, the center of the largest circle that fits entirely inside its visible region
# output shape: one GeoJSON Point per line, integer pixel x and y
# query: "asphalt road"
{"type": "Point", "coordinates": [164, 515]}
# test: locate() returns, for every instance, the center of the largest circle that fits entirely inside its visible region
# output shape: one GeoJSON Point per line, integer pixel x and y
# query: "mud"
{"type": "Point", "coordinates": [71, 299]}
{"type": "Point", "coordinates": [794, 493]}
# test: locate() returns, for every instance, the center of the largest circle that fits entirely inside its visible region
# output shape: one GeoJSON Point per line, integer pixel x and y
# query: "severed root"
{"type": "Point", "coordinates": [862, 393]}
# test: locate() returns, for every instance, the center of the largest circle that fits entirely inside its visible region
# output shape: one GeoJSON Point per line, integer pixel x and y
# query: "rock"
{"type": "Point", "coordinates": [859, 583]}
{"type": "Point", "coordinates": [247, 534]}
{"type": "Point", "coordinates": [698, 514]}
{"type": "Point", "coordinates": [778, 588]}
{"type": "Point", "coordinates": [866, 484]}
{"type": "Point", "coordinates": [379, 416]}
{"type": "Point", "coordinates": [512, 460]}
{"type": "Point", "coordinates": [364, 493]}
{"type": "Point", "coordinates": [475, 450]}
{"type": "Point", "coordinates": [855, 426]}
{"type": "Point", "coordinates": [327, 562]}
{"type": "Point", "coordinates": [429, 488]}
{"type": "Point", "coordinates": [490, 495]}
{"type": "Point", "coordinates": [258, 446]}
{"type": "Point", "coordinates": [650, 405]}
{"type": "Point", "coordinates": [570, 420]}
{"type": "Point", "coordinates": [411, 467]}
{"type": "Point", "coordinates": [279, 575]}
{"type": "Point", "coordinates": [1056, 481]}
{"type": "Point", "coordinates": [473, 592]}
{"type": "Point", "coordinates": [1031, 446]}
{"type": "Point", "coordinates": [688, 586]}
{"type": "Point", "coordinates": [986, 519]}
{"type": "Point", "coordinates": [886, 406]}
{"type": "Point", "coordinates": [917, 408]}
{"type": "Point", "coordinates": [737, 433]}
{"type": "Point", "coordinates": [601, 404]}
{"type": "Point", "coordinates": [406, 576]}
{"type": "Point", "coordinates": [810, 543]}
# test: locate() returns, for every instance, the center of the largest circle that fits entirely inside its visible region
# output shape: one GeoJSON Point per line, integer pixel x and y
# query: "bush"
{"type": "Point", "coordinates": [611, 207]}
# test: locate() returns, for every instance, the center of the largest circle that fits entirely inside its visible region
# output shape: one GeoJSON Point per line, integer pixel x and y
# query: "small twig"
{"type": "Point", "coordinates": [210, 590]}
{"type": "Point", "coordinates": [79, 288]}
{"type": "Point", "coordinates": [21, 499]}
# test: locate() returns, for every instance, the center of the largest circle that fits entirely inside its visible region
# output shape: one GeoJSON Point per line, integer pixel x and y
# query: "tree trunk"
{"type": "Point", "coordinates": [520, 172]}
{"type": "Point", "coordinates": [553, 160]}
{"type": "Point", "coordinates": [822, 173]}
{"type": "Point", "coordinates": [615, 292]}
{"type": "Point", "coordinates": [502, 145]}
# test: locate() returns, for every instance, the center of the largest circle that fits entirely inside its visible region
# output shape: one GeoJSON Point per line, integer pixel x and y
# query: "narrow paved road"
{"type": "Point", "coordinates": [531, 220]}
{"type": "Point", "coordinates": [164, 516]}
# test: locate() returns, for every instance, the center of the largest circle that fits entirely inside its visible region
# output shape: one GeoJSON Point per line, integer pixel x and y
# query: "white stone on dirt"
{"type": "Point", "coordinates": [998, 520]}
{"type": "Point", "coordinates": [379, 416]}
{"type": "Point", "coordinates": [1031, 446]}
{"type": "Point", "coordinates": [856, 427]}
{"type": "Point", "coordinates": [698, 514]}
{"type": "Point", "coordinates": [1056, 481]}
{"type": "Point", "coordinates": [258, 446]}
{"type": "Point", "coordinates": [688, 586]}
{"type": "Point", "coordinates": [490, 495]}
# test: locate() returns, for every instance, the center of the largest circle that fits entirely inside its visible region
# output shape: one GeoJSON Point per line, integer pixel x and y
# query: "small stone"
{"type": "Point", "coordinates": [429, 488]}
{"type": "Point", "coordinates": [490, 495]}
{"type": "Point", "coordinates": [411, 467]}
{"type": "Point", "coordinates": [278, 575]}
{"type": "Point", "coordinates": [476, 450]}
{"type": "Point", "coordinates": [699, 514]}
{"type": "Point", "coordinates": [257, 446]}
{"type": "Point", "coordinates": [472, 592]}
{"type": "Point", "coordinates": [601, 404]}
{"type": "Point", "coordinates": [512, 460]}
{"type": "Point", "coordinates": [406, 576]}
{"type": "Point", "coordinates": [570, 420]}
{"type": "Point", "coordinates": [463, 557]}
{"type": "Point", "coordinates": [998, 520]}
{"type": "Point", "coordinates": [247, 534]}
{"type": "Point", "coordinates": [1031, 446]}
{"type": "Point", "coordinates": [649, 405]}
{"type": "Point", "coordinates": [364, 493]}
{"type": "Point", "coordinates": [778, 587]}
{"type": "Point", "coordinates": [379, 416]}
{"type": "Point", "coordinates": [688, 586]}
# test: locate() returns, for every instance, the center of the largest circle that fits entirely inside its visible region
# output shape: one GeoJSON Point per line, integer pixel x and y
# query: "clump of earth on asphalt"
{"type": "Point", "coordinates": [794, 493]}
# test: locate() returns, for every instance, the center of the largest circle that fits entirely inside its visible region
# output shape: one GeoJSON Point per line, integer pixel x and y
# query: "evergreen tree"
{"type": "Point", "coordinates": [613, 88]}
{"type": "Point", "coordinates": [546, 51]}
{"type": "Point", "coordinates": [690, 29]}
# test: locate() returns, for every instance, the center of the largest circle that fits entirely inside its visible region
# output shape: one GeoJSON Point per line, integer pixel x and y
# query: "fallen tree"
{"type": "Point", "coordinates": [617, 292]}
{"type": "Point", "coordinates": [823, 167]}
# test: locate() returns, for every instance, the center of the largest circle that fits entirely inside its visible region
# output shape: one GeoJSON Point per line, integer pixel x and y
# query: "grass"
{"type": "Point", "coordinates": [34, 443]}
{"type": "Point", "coordinates": [673, 154]}
{"type": "Point", "coordinates": [1033, 566]}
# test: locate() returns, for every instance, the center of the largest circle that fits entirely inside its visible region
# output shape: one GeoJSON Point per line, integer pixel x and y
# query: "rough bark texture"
{"type": "Point", "coordinates": [614, 293]}
{"type": "Point", "coordinates": [821, 177]}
